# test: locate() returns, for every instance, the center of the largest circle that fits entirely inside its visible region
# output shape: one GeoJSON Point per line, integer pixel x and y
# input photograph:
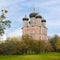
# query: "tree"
{"type": "Point", "coordinates": [28, 42]}
{"type": "Point", "coordinates": [4, 23]}
{"type": "Point", "coordinates": [53, 41]}
{"type": "Point", "coordinates": [58, 45]}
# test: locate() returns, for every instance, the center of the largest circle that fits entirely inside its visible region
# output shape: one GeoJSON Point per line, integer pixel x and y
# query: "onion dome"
{"type": "Point", "coordinates": [4, 11]}
{"type": "Point", "coordinates": [25, 18]}
{"type": "Point", "coordinates": [38, 16]}
{"type": "Point", "coordinates": [33, 14]}
{"type": "Point", "coordinates": [43, 20]}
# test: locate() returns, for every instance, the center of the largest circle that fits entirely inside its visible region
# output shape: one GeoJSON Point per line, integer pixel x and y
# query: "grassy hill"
{"type": "Point", "coordinates": [50, 56]}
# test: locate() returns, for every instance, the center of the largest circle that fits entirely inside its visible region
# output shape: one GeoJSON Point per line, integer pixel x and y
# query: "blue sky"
{"type": "Point", "coordinates": [49, 9]}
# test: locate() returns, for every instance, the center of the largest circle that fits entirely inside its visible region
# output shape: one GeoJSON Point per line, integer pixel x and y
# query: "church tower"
{"type": "Point", "coordinates": [25, 21]}
{"type": "Point", "coordinates": [35, 26]}
{"type": "Point", "coordinates": [38, 20]}
{"type": "Point", "coordinates": [32, 18]}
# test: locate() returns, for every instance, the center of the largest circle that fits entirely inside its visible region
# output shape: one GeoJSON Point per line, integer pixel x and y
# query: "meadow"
{"type": "Point", "coordinates": [49, 56]}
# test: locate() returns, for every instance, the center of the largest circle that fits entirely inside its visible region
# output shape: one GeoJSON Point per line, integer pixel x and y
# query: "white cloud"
{"type": "Point", "coordinates": [2, 38]}
{"type": "Point", "coordinates": [17, 9]}
{"type": "Point", "coordinates": [43, 4]}
{"type": "Point", "coordinates": [7, 3]}
{"type": "Point", "coordinates": [17, 32]}
{"type": "Point", "coordinates": [53, 23]}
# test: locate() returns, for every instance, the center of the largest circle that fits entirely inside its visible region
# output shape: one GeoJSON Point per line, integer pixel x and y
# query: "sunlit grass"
{"type": "Point", "coordinates": [49, 56]}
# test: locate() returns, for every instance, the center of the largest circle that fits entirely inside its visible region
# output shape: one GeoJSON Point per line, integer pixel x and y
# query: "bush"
{"type": "Point", "coordinates": [26, 45]}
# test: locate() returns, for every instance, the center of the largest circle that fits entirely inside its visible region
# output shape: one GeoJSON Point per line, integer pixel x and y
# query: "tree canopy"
{"type": "Point", "coordinates": [4, 23]}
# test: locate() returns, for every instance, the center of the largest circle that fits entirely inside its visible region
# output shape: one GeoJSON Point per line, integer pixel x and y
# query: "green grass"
{"type": "Point", "coordinates": [49, 56]}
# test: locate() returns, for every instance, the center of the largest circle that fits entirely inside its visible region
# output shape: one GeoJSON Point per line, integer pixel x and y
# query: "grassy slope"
{"type": "Point", "coordinates": [51, 56]}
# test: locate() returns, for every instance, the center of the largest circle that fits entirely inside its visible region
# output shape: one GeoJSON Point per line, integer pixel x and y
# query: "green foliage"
{"type": "Point", "coordinates": [4, 23]}
{"type": "Point", "coordinates": [55, 42]}
{"type": "Point", "coordinates": [15, 46]}
{"type": "Point", "coordinates": [27, 45]}
{"type": "Point", "coordinates": [58, 45]}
